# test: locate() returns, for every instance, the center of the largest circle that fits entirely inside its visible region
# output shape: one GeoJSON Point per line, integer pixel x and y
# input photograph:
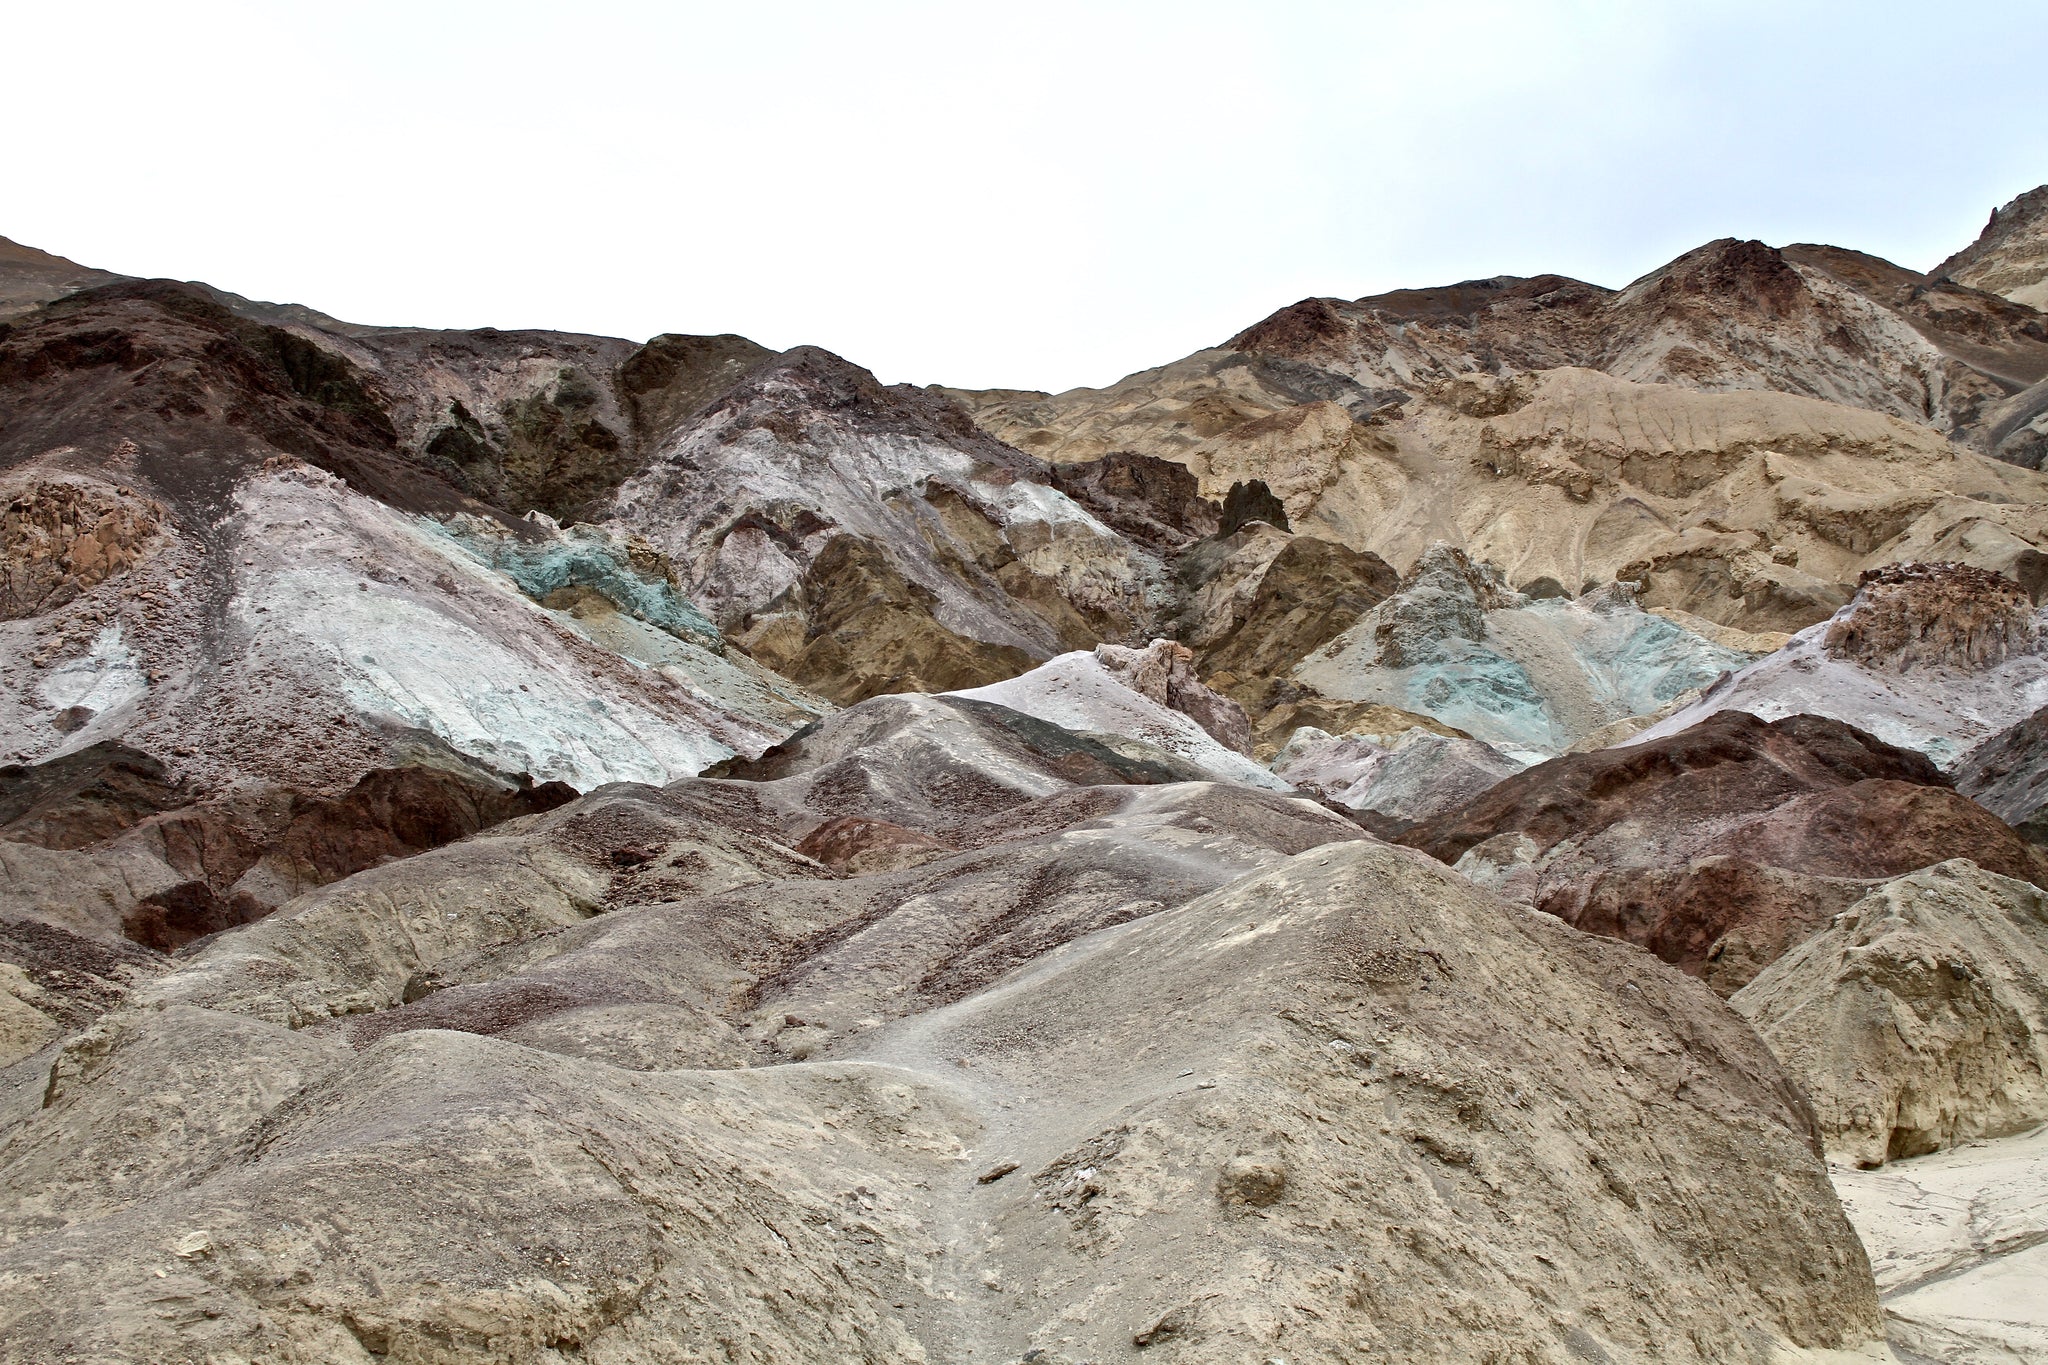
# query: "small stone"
{"type": "Point", "coordinates": [995, 1172]}
{"type": "Point", "coordinates": [1251, 1181]}
{"type": "Point", "coordinates": [1170, 1324]}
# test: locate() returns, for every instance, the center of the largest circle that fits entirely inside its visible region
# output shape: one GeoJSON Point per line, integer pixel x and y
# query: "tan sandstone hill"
{"type": "Point", "coordinates": [1918, 1018]}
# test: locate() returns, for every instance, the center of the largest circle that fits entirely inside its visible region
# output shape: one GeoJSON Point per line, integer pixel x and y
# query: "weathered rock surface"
{"type": "Point", "coordinates": [1919, 615]}
{"type": "Point", "coordinates": [1527, 675]}
{"type": "Point", "coordinates": [1743, 431]}
{"type": "Point", "coordinates": [101, 854]}
{"type": "Point", "coordinates": [1295, 707]}
{"type": "Point", "coordinates": [510, 1163]}
{"type": "Point", "coordinates": [2007, 774]}
{"type": "Point", "coordinates": [1034, 1019]}
{"type": "Point", "coordinates": [1164, 672]}
{"type": "Point", "coordinates": [1918, 1018]}
{"type": "Point", "coordinates": [1151, 696]}
{"type": "Point", "coordinates": [1153, 501]}
{"type": "Point", "coordinates": [2010, 257]}
{"type": "Point", "coordinates": [1406, 777]}
{"type": "Point", "coordinates": [30, 278]}
{"type": "Point", "coordinates": [1721, 847]}
{"type": "Point", "coordinates": [1934, 657]}
{"type": "Point", "coordinates": [1254, 627]}
{"type": "Point", "coordinates": [814, 511]}
{"type": "Point", "coordinates": [288, 639]}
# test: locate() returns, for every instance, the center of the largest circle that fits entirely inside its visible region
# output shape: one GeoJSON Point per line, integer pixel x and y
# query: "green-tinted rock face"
{"type": "Point", "coordinates": [632, 578]}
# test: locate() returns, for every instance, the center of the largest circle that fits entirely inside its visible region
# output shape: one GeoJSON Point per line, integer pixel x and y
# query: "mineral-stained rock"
{"type": "Point", "coordinates": [1154, 501]}
{"type": "Point", "coordinates": [1038, 1020]}
{"type": "Point", "coordinates": [1918, 1018]}
{"type": "Point", "coordinates": [100, 843]}
{"type": "Point", "coordinates": [808, 469]}
{"type": "Point", "coordinates": [1164, 672]}
{"type": "Point", "coordinates": [1310, 592]}
{"type": "Point", "coordinates": [59, 539]}
{"type": "Point", "coordinates": [1093, 692]}
{"type": "Point", "coordinates": [285, 638]}
{"type": "Point", "coordinates": [84, 797]}
{"type": "Point", "coordinates": [859, 845]}
{"type": "Point", "coordinates": [1721, 847]}
{"type": "Point", "coordinates": [1445, 597]}
{"type": "Point", "coordinates": [1731, 765]}
{"type": "Point", "coordinates": [1526, 675]}
{"type": "Point", "coordinates": [1935, 614]}
{"type": "Point", "coordinates": [1928, 656]}
{"type": "Point", "coordinates": [873, 632]}
{"type": "Point", "coordinates": [1294, 707]}
{"type": "Point", "coordinates": [1752, 508]}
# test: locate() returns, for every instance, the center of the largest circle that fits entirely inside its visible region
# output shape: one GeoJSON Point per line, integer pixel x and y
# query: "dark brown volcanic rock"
{"type": "Point", "coordinates": [1720, 847]}
{"type": "Point", "coordinates": [85, 797]}
{"type": "Point", "coordinates": [208, 864]}
{"type": "Point", "coordinates": [673, 378]}
{"type": "Point", "coordinates": [1154, 501]}
{"type": "Point", "coordinates": [1730, 764]}
{"type": "Point", "coordinates": [1883, 829]}
{"type": "Point", "coordinates": [1248, 501]}
{"type": "Point", "coordinates": [205, 393]}
{"type": "Point", "coordinates": [2007, 774]}
{"type": "Point", "coordinates": [1313, 591]}
{"type": "Point", "coordinates": [390, 814]}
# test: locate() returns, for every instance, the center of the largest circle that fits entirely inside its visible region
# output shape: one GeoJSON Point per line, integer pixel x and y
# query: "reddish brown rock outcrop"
{"type": "Point", "coordinates": [191, 866]}
{"type": "Point", "coordinates": [60, 538]}
{"type": "Point", "coordinates": [1909, 615]}
{"type": "Point", "coordinates": [1723, 846]}
{"type": "Point", "coordinates": [1730, 764]}
{"type": "Point", "coordinates": [859, 845]}
{"type": "Point", "coordinates": [1155, 502]}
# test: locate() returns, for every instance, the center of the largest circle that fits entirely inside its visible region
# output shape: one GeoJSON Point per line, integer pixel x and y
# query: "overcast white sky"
{"type": "Point", "coordinates": [1036, 195]}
